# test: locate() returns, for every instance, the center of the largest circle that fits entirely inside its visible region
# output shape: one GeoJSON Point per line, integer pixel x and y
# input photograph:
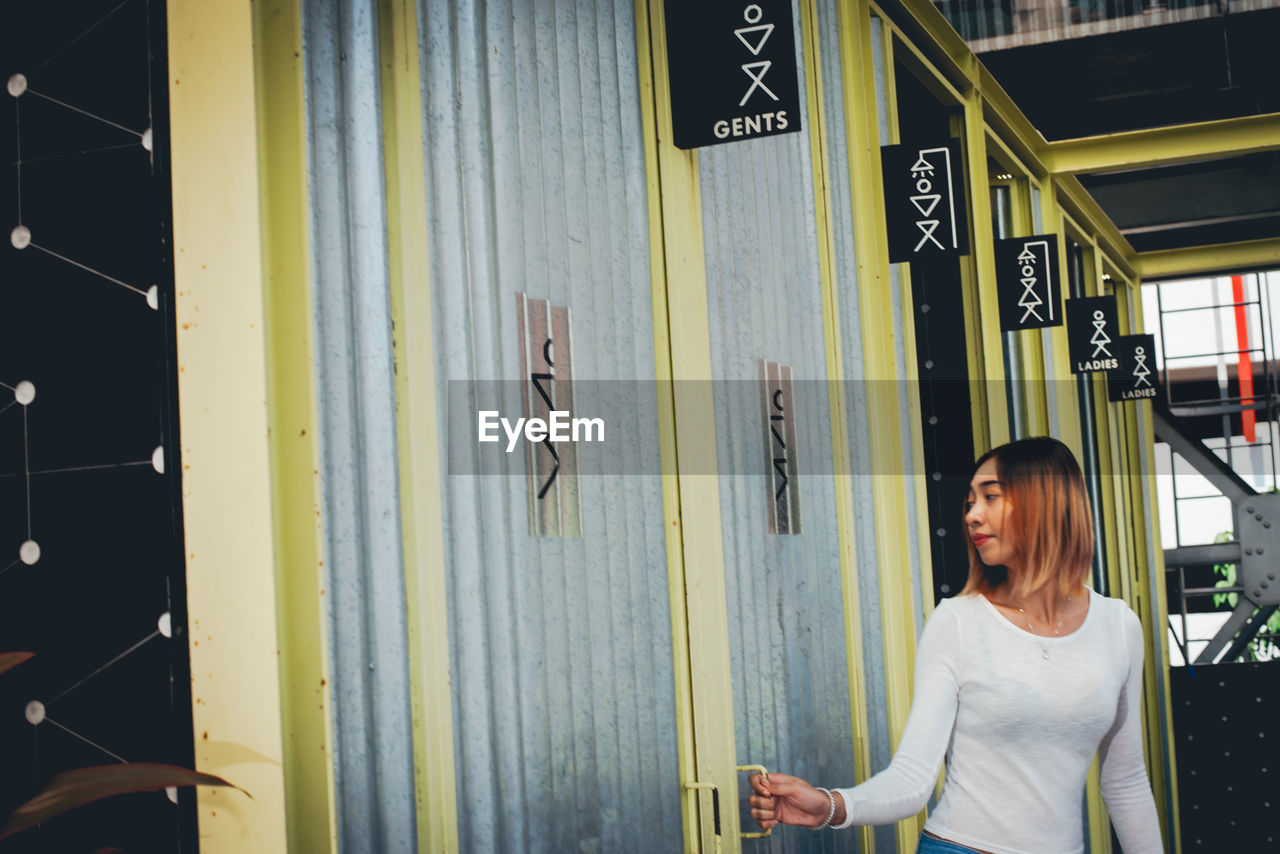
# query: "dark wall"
{"type": "Point", "coordinates": [1225, 725]}
{"type": "Point", "coordinates": [77, 462]}
{"type": "Point", "coordinates": [945, 393]}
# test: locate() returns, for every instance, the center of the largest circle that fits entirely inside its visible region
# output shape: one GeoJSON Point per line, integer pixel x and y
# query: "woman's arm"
{"type": "Point", "coordinates": [1125, 788]}
{"type": "Point", "coordinates": [902, 789]}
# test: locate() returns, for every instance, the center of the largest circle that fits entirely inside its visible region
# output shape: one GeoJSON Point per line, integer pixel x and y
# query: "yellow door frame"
{"type": "Point", "coordinates": [700, 621]}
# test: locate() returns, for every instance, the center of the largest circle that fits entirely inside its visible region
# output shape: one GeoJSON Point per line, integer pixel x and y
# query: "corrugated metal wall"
{"type": "Point", "coordinates": [786, 619]}
{"type": "Point", "coordinates": [560, 648]}
{"type": "Point", "coordinates": [367, 606]}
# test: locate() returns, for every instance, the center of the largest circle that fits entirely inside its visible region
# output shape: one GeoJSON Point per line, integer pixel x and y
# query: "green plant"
{"type": "Point", "coordinates": [1263, 647]}
{"type": "Point", "coordinates": [81, 786]}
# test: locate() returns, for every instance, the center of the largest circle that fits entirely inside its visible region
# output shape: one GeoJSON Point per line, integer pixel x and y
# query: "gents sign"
{"type": "Point", "coordinates": [733, 70]}
{"type": "Point", "coordinates": [924, 200]}
{"type": "Point", "coordinates": [1027, 280]}
{"type": "Point", "coordinates": [1135, 378]}
{"type": "Point", "coordinates": [1091, 334]}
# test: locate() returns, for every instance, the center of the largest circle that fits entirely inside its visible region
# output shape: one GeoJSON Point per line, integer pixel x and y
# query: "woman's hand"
{"type": "Point", "coordinates": [788, 800]}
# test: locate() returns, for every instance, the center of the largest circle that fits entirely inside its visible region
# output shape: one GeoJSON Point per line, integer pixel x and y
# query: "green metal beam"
{"type": "Point", "coordinates": [1206, 260]}
{"type": "Point", "coordinates": [1076, 200]}
{"type": "Point", "coordinates": [1164, 146]}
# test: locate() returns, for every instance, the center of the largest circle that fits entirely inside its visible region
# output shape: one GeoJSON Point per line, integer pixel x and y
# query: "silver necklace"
{"type": "Point", "coordinates": [1044, 647]}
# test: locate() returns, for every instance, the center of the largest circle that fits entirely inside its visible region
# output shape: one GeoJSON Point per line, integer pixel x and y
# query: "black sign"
{"type": "Point", "coordinates": [1027, 279]}
{"type": "Point", "coordinates": [924, 200]}
{"type": "Point", "coordinates": [733, 71]}
{"type": "Point", "coordinates": [1136, 377]}
{"type": "Point", "coordinates": [1091, 333]}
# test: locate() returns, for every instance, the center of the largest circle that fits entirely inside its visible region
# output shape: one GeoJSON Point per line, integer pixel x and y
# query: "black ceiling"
{"type": "Point", "coordinates": [1214, 68]}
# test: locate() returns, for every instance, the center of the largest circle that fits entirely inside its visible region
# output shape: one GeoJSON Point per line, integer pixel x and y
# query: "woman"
{"type": "Point", "coordinates": [1018, 681]}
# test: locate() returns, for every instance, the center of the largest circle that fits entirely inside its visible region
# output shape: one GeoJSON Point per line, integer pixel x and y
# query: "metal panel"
{"type": "Point", "coordinates": [355, 372]}
{"type": "Point", "coordinates": [786, 618]}
{"type": "Point", "coordinates": [851, 325]}
{"type": "Point", "coordinates": [872, 641]}
{"type": "Point", "coordinates": [560, 647]}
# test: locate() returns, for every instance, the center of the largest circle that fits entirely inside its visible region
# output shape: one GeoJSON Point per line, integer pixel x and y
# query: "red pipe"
{"type": "Point", "coordinates": [1244, 366]}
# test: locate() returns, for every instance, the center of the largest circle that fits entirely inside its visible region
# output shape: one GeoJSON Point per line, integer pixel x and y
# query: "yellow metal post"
{"type": "Point", "coordinates": [986, 315]}
{"type": "Point", "coordinates": [300, 574]}
{"type": "Point", "coordinates": [882, 370]}
{"type": "Point", "coordinates": [687, 432]}
{"type": "Point", "coordinates": [229, 519]}
{"type": "Point", "coordinates": [841, 453]}
{"type": "Point", "coordinates": [1161, 756]}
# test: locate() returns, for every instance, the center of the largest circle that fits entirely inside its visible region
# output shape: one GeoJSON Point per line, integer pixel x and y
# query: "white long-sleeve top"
{"type": "Point", "coordinates": [1019, 732]}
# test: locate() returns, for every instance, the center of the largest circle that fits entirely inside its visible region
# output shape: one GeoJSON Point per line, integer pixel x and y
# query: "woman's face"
{"type": "Point", "coordinates": [985, 517]}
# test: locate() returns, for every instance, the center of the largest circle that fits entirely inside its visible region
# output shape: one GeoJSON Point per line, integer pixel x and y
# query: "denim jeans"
{"type": "Point", "coordinates": [929, 845]}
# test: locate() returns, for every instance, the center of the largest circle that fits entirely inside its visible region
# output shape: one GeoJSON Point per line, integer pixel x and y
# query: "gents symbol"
{"type": "Point", "coordinates": [1100, 339]}
{"type": "Point", "coordinates": [732, 70]}
{"type": "Point", "coordinates": [761, 34]}
{"type": "Point", "coordinates": [1140, 370]}
{"type": "Point", "coordinates": [755, 70]}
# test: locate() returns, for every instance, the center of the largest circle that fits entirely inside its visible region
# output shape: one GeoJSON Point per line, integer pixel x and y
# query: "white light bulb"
{"type": "Point", "coordinates": [29, 552]}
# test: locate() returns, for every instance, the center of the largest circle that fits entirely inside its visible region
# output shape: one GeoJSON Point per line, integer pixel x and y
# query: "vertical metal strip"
{"type": "Point", "coordinates": [306, 679]}
{"type": "Point", "coordinates": [880, 347]}
{"type": "Point", "coordinates": [910, 404]}
{"type": "Point", "coordinates": [684, 287]}
{"type": "Point", "coordinates": [655, 104]}
{"type": "Point", "coordinates": [982, 259]}
{"type": "Point", "coordinates": [1064, 418]}
{"type": "Point", "coordinates": [766, 424]}
{"type": "Point", "coordinates": [568, 495]}
{"type": "Point", "coordinates": [1157, 666]}
{"type": "Point", "coordinates": [828, 173]}
{"type": "Point", "coordinates": [360, 465]}
{"type": "Point", "coordinates": [417, 429]}
{"type": "Point", "coordinates": [793, 464]}
{"type": "Point", "coordinates": [778, 493]}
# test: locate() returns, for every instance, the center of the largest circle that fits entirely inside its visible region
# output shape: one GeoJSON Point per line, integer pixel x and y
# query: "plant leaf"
{"type": "Point", "coordinates": [75, 788]}
{"type": "Point", "coordinates": [10, 660]}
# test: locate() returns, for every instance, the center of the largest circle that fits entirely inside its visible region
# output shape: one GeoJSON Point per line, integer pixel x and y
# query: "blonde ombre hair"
{"type": "Point", "coordinates": [1049, 518]}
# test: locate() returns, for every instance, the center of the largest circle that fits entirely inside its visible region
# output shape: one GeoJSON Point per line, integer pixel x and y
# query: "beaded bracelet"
{"type": "Point", "coordinates": [832, 814]}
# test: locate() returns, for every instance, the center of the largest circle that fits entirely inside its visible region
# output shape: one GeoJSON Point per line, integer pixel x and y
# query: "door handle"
{"type": "Point", "coordinates": [715, 810]}
{"type": "Point", "coordinates": [763, 773]}
{"type": "Point", "coordinates": [715, 805]}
